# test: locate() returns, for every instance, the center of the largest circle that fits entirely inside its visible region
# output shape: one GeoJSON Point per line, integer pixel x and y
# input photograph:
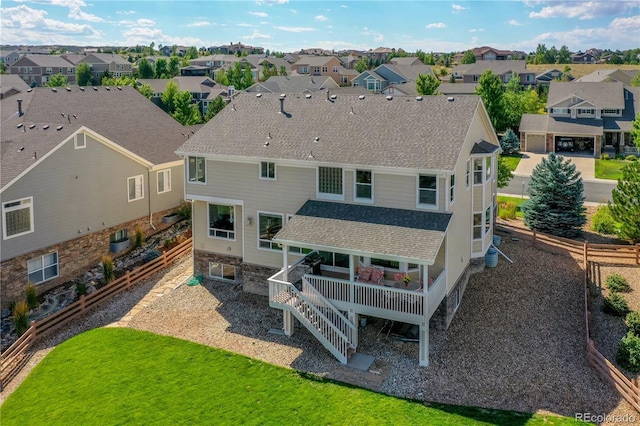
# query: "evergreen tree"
{"type": "Point", "coordinates": [469, 57]}
{"type": "Point", "coordinates": [145, 70]}
{"type": "Point", "coordinates": [173, 68]}
{"type": "Point", "coordinates": [505, 174]}
{"type": "Point", "coordinates": [283, 70]}
{"type": "Point", "coordinates": [427, 84]}
{"type": "Point", "coordinates": [626, 202]}
{"type": "Point", "coordinates": [510, 143]}
{"type": "Point", "coordinates": [215, 107]}
{"type": "Point", "coordinates": [556, 198]}
{"type": "Point", "coordinates": [635, 130]}
{"type": "Point", "coordinates": [162, 69]}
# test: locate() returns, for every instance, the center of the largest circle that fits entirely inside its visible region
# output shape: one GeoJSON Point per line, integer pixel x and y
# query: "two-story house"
{"type": "Point", "coordinates": [487, 53]}
{"type": "Point", "coordinates": [610, 74]}
{"type": "Point", "coordinates": [398, 77]}
{"type": "Point", "coordinates": [583, 116]}
{"type": "Point", "coordinates": [470, 73]}
{"type": "Point", "coordinates": [322, 202]}
{"type": "Point", "coordinates": [8, 57]}
{"type": "Point", "coordinates": [82, 168]}
{"type": "Point", "coordinates": [203, 89]}
{"type": "Point", "coordinates": [293, 84]}
{"type": "Point", "coordinates": [36, 70]}
{"type": "Point", "coordinates": [114, 64]}
{"type": "Point", "coordinates": [325, 66]}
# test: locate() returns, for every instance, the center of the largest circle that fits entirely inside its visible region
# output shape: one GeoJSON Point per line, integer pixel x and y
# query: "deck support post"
{"type": "Point", "coordinates": [285, 261]}
{"type": "Point", "coordinates": [353, 317]}
{"type": "Point", "coordinates": [287, 317]}
{"type": "Point", "coordinates": [424, 344]}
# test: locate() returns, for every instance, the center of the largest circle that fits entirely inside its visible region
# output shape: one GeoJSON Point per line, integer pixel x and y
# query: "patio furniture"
{"type": "Point", "coordinates": [371, 275]}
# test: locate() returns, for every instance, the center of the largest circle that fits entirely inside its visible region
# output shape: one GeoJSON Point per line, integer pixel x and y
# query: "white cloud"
{"type": "Point", "coordinates": [125, 12]}
{"type": "Point", "coordinates": [583, 10]}
{"type": "Point", "coordinates": [199, 24]}
{"type": "Point", "coordinates": [344, 6]}
{"type": "Point", "coordinates": [476, 30]}
{"type": "Point", "coordinates": [631, 23]}
{"type": "Point", "coordinates": [436, 25]}
{"type": "Point", "coordinates": [377, 37]}
{"type": "Point", "coordinates": [295, 29]}
{"type": "Point", "coordinates": [321, 18]}
{"type": "Point", "coordinates": [272, 2]}
{"type": "Point", "coordinates": [243, 24]}
{"type": "Point", "coordinates": [146, 22]}
{"type": "Point", "coordinates": [145, 35]}
{"type": "Point", "coordinates": [515, 23]}
{"type": "Point", "coordinates": [457, 8]}
{"type": "Point", "coordinates": [259, 14]}
{"type": "Point", "coordinates": [256, 35]}
{"type": "Point", "coordinates": [74, 6]}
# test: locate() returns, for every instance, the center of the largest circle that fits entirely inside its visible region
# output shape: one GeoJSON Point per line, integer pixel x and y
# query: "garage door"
{"type": "Point", "coordinates": [535, 143]}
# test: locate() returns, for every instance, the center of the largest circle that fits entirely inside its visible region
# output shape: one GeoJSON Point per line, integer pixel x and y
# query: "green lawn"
{"type": "Point", "coordinates": [511, 161]}
{"type": "Point", "coordinates": [610, 169]}
{"type": "Point", "coordinates": [517, 200]}
{"type": "Point", "coordinates": [122, 376]}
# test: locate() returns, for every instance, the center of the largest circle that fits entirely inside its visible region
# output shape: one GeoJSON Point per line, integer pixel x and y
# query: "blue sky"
{"type": "Point", "coordinates": [289, 25]}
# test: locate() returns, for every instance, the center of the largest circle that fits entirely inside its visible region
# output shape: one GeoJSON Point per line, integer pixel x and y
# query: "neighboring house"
{"type": "Point", "coordinates": [397, 77]}
{"type": "Point", "coordinates": [379, 54]}
{"type": "Point", "coordinates": [168, 50]}
{"type": "Point", "coordinates": [315, 51]}
{"type": "Point", "coordinates": [236, 49]}
{"type": "Point", "coordinates": [194, 71]}
{"type": "Point", "coordinates": [114, 64]}
{"type": "Point", "coordinates": [377, 185]}
{"type": "Point", "coordinates": [272, 62]}
{"type": "Point", "coordinates": [82, 168]}
{"type": "Point", "coordinates": [203, 89]}
{"type": "Point", "coordinates": [457, 88]}
{"type": "Point", "coordinates": [36, 70]}
{"type": "Point", "coordinates": [325, 66]}
{"type": "Point", "coordinates": [293, 84]}
{"type": "Point", "coordinates": [11, 85]}
{"type": "Point", "coordinates": [544, 78]}
{"type": "Point", "coordinates": [614, 74]}
{"type": "Point", "coordinates": [583, 117]}
{"type": "Point", "coordinates": [471, 72]}
{"type": "Point", "coordinates": [486, 53]}
{"type": "Point", "coordinates": [583, 58]}
{"type": "Point", "coordinates": [8, 57]}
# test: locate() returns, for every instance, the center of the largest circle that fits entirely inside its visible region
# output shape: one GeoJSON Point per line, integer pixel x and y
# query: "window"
{"type": "Point", "coordinates": [475, 78]}
{"type": "Point", "coordinates": [118, 236]}
{"type": "Point", "coordinates": [69, 70]}
{"type": "Point", "coordinates": [136, 190]}
{"type": "Point", "coordinates": [43, 268]}
{"type": "Point", "coordinates": [487, 220]}
{"type": "Point", "coordinates": [316, 70]}
{"type": "Point", "coordinates": [222, 270]}
{"type": "Point", "coordinates": [59, 70]}
{"type": "Point", "coordinates": [477, 226]}
{"type": "Point", "coordinates": [164, 181]}
{"type": "Point", "coordinates": [477, 171]}
{"type": "Point", "coordinates": [80, 141]}
{"type": "Point", "coordinates": [391, 264]}
{"type": "Point", "coordinates": [221, 221]}
{"type": "Point", "coordinates": [330, 182]}
{"type": "Point", "coordinates": [452, 189]}
{"type": "Point", "coordinates": [197, 169]}
{"type": "Point", "coordinates": [335, 69]}
{"type": "Point", "coordinates": [457, 298]}
{"type": "Point", "coordinates": [269, 224]}
{"type": "Point", "coordinates": [335, 260]}
{"type": "Point", "coordinates": [267, 170]}
{"type": "Point", "coordinates": [611, 111]}
{"type": "Point", "coordinates": [355, 83]}
{"type": "Point", "coordinates": [364, 185]}
{"type": "Point", "coordinates": [325, 69]}
{"type": "Point", "coordinates": [17, 218]}
{"type": "Point", "coordinates": [427, 189]}
{"type": "Point", "coordinates": [468, 173]}
{"type": "Point", "coordinates": [582, 111]}
{"type": "Point", "coordinates": [49, 71]}
{"type": "Point", "coordinates": [488, 167]}
{"type": "Point", "coordinates": [560, 110]}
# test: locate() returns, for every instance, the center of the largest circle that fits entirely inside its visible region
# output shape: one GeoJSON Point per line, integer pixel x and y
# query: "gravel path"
{"type": "Point", "coordinates": [516, 343]}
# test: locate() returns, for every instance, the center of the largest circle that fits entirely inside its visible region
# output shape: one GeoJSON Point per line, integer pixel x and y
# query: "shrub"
{"type": "Point", "coordinates": [150, 255]}
{"type": "Point", "coordinates": [615, 305]}
{"type": "Point", "coordinates": [184, 210]}
{"type": "Point", "coordinates": [631, 157]}
{"type": "Point", "coordinates": [32, 297]}
{"type": "Point", "coordinates": [81, 288]}
{"type": "Point", "coordinates": [616, 282]}
{"type": "Point", "coordinates": [603, 222]}
{"type": "Point", "coordinates": [604, 156]}
{"type": "Point", "coordinates": [629, 352]}
{"type": "Point", "coordinates": [633, 322]}
{"type": "Point", "coordinates": [139, 238]}
{"type": "Point", "coordinates": [619, 157]}
{"type": "Point", "coordinates": [507, 210]}
{"type": "Point", "coordinates": [21, 317]}
{"type": "Point", "coordinates": [108, 269]}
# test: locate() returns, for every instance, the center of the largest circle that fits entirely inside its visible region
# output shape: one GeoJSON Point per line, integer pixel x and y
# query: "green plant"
{"type": "Point", "coordinates": [139, 238]}
{"type": "Point", "coordinates": [603, 222]}
{"type": "Point", "coordinates": [633, 322]}
{"type": "Point", "coordinates": [32, 295]}
{"type": "Point", "coordinates": [150, 255]}
{"type": "Point", "coordinates": [615, 305]}
{"type": "Point", "coordinates": [604, 156]}
{"type": "Point", "coordinates": [631, 157]}
{"type": "Point", "coordinates": [507, 210]}
{"type": "Point", "coordinates": [616, 282]}
{"type": "Point", "coordinates": [184, 210]}
{"type": "Point", "coordinates": [107, 269]}
{"type": "Point", "coordinates": [168, 241]}
{"type": "Point", "coordinates": [21, 317]}
{"type": "Point", "coordinates": [629, 352]}
{"type": "Point", "coordinates": [81, 288]}
{"type": "Point", "coordinates": [619, 157]}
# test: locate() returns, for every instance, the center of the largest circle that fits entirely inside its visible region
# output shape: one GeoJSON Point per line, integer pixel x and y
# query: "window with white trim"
{"type": "Point", "coordinates": [268, 226]}
{"type": "Point", "coordinates": [197, 169]}
{"type": "Point", "coordinates": [325, 69]}
{"type": "Point", "coordinates": [364, 185]}
{"type": "Point", "coordinates": [135, 187]}
{"type": "Point", "coordinates": [80, 141]}
{"type": "Point", "coordinates": [330, 182]}
{"type": "Point", "coordinates": [118, 236]}
{"type": "Point", "coordinates": [477, 171]}
{"type": "Point", "coordinates": [42, 268]}
{"type": "Point", "coordinates": [164, 181]}
{"type": "Point", "coordinates": [487, 220]}
{"type": "Point", "coordinates": [477, 226]}
{"type": "Point", "coordinates": [427, 190]}
{"type": "Point", "coordinates": [334, 260]}
{"type": "Point", "coordinates": [468, 173]}
{"type": "Point", "coordinates": [17, 217]}
{"type": "Point", "coordinates": [222, 221]}
{"type": "Point", "coordinates": [488, 167]}
{"type": "Point", "coordinates": [222, 271]}
{"type": "Point", "coordinates": [335, 69]}
{"type": "Point", "coordinates": [452, 189]}
{"type": "Point", "coordinates": [457, 299]}
{"type": "Point", "coordinates": [267, 170]}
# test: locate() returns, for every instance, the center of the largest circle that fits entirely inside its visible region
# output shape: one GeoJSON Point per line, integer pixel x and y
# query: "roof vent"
{"type": "Point", "coordinates": [45, 127]}
{"type": "Point", "coordinates": [352, 111]}
{"type": "Point", "coordinates": [95, 88]}
{"type": "Point", "coordinates": [75, 116]}
{"type": "Point", "coordinates": [29, 89]}
{"type": "Point", "coordinates": [31, 126]}
{"type": "Point", "coordinates": [418, 98]}
{"type": "Point", "coordinates": [308, 96]}
{"type": "Point", "coordinates": [361, 97]}
{"type": "Point", "coordinates": [19, 125]}
{"type": "Point", "coordinates": [389, 97]}
{"type": "Point", "coordinates": [317, 139]}
{"type": "Point", "coordinates": [59, 128]}
{"type": "Point", "coordinates": [21, 149]}
{"type": "Point", "coordinates": [333, 97]}
{"type": "Point", "coordinates": [54, 90]}
{"type": "Point", "coordinates": [269, 135]}
{"type": "Point", "coordinates": [82, 89]}
{"type": "Point", "coordinates": [266, 144]}
{"type": "Point", "coordinates": [107, 87]}
{"type": "Point", "coordinates": [258, 95]}
{"type": "Point", "coordinates": [62, 114]}
{"type": "Point", "coordinates": [119, 88]}
{"type": "Point", "coordinates": [68, 89]}
{"type": "Point", "coordinates": [450, 98]}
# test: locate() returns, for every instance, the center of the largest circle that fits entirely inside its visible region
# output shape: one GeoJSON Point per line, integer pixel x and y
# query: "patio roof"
{"type": "Point", "coordinates": [381, 232]}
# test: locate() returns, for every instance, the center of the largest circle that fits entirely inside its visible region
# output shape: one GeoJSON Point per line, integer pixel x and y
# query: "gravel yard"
{"type": "Point", "coordinates": [516, 343]}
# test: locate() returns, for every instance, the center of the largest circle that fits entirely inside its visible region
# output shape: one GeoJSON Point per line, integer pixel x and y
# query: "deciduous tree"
{"type": "Point", "coordinates": [635, 130]}
{"type": "Point", "coordinates": [215, 107]}
{"type": "Point", "coordinates": [490, 89]}
{"type": "Point", "coordinates": [361, 65]}
{"type": "Point", "coordinates": [504, 173]}
{"type": "Point", "coordinates": [469, 57]}
{"type": "Point", "coordinates": [83, 74]}
{"type": "Point", "coordinates": [626, 202]}
{"type": "Point", "coordinates": [185, 112]}
{"type": "Point", "coordinates": [57, 80]}
{"type": "Point", "coordinates": [427, 84]}
{"type": "Point", "coordinates": [145, 70]}
{"type": "Point", "coordinates": [168, 97]}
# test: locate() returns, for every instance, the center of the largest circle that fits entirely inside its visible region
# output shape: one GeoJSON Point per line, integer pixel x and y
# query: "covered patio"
{"type": "Point", "coordinates": [353, 238]}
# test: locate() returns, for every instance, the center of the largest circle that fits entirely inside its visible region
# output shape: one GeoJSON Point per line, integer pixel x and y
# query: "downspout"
{"type": "Point", "coordinates": [149, 203]}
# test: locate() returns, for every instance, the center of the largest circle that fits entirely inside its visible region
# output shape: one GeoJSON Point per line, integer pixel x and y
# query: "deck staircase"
{"type": "Point", "coordinates": [320, 317]}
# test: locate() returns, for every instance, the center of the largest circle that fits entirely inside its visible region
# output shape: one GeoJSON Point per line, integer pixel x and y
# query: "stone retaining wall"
{"type": "Point", "coordinates": [442, 317]}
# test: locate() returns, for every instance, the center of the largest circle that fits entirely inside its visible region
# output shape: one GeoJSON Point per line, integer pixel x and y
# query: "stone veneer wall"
{"type": "Point", "coordinates": [549, 142]}
{"type": "Point", "coordinates": [253, 277]}
{"type": "Point", "coordinates": [443, 315]}
{"type": "Point", "coordinates": [74, 257]}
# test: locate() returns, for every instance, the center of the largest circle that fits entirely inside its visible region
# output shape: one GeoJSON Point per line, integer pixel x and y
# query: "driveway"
{"type": "Point", "coordinates": [585, 164]}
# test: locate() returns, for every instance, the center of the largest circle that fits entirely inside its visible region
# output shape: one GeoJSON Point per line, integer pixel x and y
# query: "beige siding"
{"type": "Point", "coordinates": [170, 199]}
{"type": "Point", "coordinates": [218, 245]}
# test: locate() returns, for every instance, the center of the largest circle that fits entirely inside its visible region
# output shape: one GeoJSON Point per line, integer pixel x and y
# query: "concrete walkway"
{"type": "Point", "coordinates": [584, 164]}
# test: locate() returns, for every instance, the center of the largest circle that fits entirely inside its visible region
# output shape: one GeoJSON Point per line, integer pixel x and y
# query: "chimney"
{"type": "Point", "coordinates": [20, 113]}
{"type": "Point", "coordinates": [282, 104]}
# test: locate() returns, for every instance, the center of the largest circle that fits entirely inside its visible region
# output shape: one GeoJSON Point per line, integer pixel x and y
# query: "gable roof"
{"type": "Point", "coordinates": [401, 132]}
{"type": "Point", "coordinates": [124, 116]}
{"type": "Point", "coordinates": [105, 58]}
{"type": "Point", "coordinates": [12, 84]}
{"type": "Point", "coordinates": [498, 67]}
{"type": "Point", "coordinates": [293, 84]}
{"type": "Point", "coordinates": [457, 88]}
{"type": "Point", "coordinates": [612, 74]}
{"type": "Point", "coordinates": [406, 60]}
{"type": "Point", "coordinates": [314, 61]}
{"type": "Point", "coordinates": [604, 95]}
{"type": "Point", "coordinates": [52, 61]}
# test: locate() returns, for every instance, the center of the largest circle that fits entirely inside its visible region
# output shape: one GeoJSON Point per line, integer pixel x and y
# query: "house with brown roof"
{"type": "Point", "coordinates": [325, 204]}
{"type": "Point", "coordinates": [397, 77]}
{"type": "Point", "coordinates": [611, 74]}
{"type": "Point", "coordinates": [82, 168]}
{"type": "Point", "coordinates": [487, 53]}
{"type": "Point", "coordinates": [587, 117]}
{"type": "Point", "coordinates": [470, 73]}
{"type": "Point", "coordinates": [112, 63]}
{"type": "Point", "coordinates": [293, 84]}
{"type": "Point", "coordinates": [325, 66]}
{"type": "Point", "coordinates": [36, 70]}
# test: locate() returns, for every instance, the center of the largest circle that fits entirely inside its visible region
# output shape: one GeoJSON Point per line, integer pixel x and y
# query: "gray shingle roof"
{"type": "Point", "coordinates": [425, 134]}
{"type": "Point", "coordinates": [52, 61]}
{"type": "Point", "coordinates": [498, 67]}
{"type": "Point", "coordinates": [123, 116]}
{"type": "Point", "coordinates": [484, 147]}
{"type": "Point", "coordinates": [294, 84]}
{"type": "Point", "coordinates": [12, 81]}
{"type": "Point", "coordinates": [410, 234]}
{"type": "Point", "coordinates": [457, 88]}
{"type": "Point", "coordinates": [313, 60]}
{"type": "Point", "coordinates": [533, 123]}
{"type": "Point", "coordinates": [604, 94]}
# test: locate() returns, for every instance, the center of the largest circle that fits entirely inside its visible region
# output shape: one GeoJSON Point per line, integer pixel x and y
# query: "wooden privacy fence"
{"type": "Point", "coordinates": [16, 356]}
{"type": "Point", "coordinates": [627, 388]}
